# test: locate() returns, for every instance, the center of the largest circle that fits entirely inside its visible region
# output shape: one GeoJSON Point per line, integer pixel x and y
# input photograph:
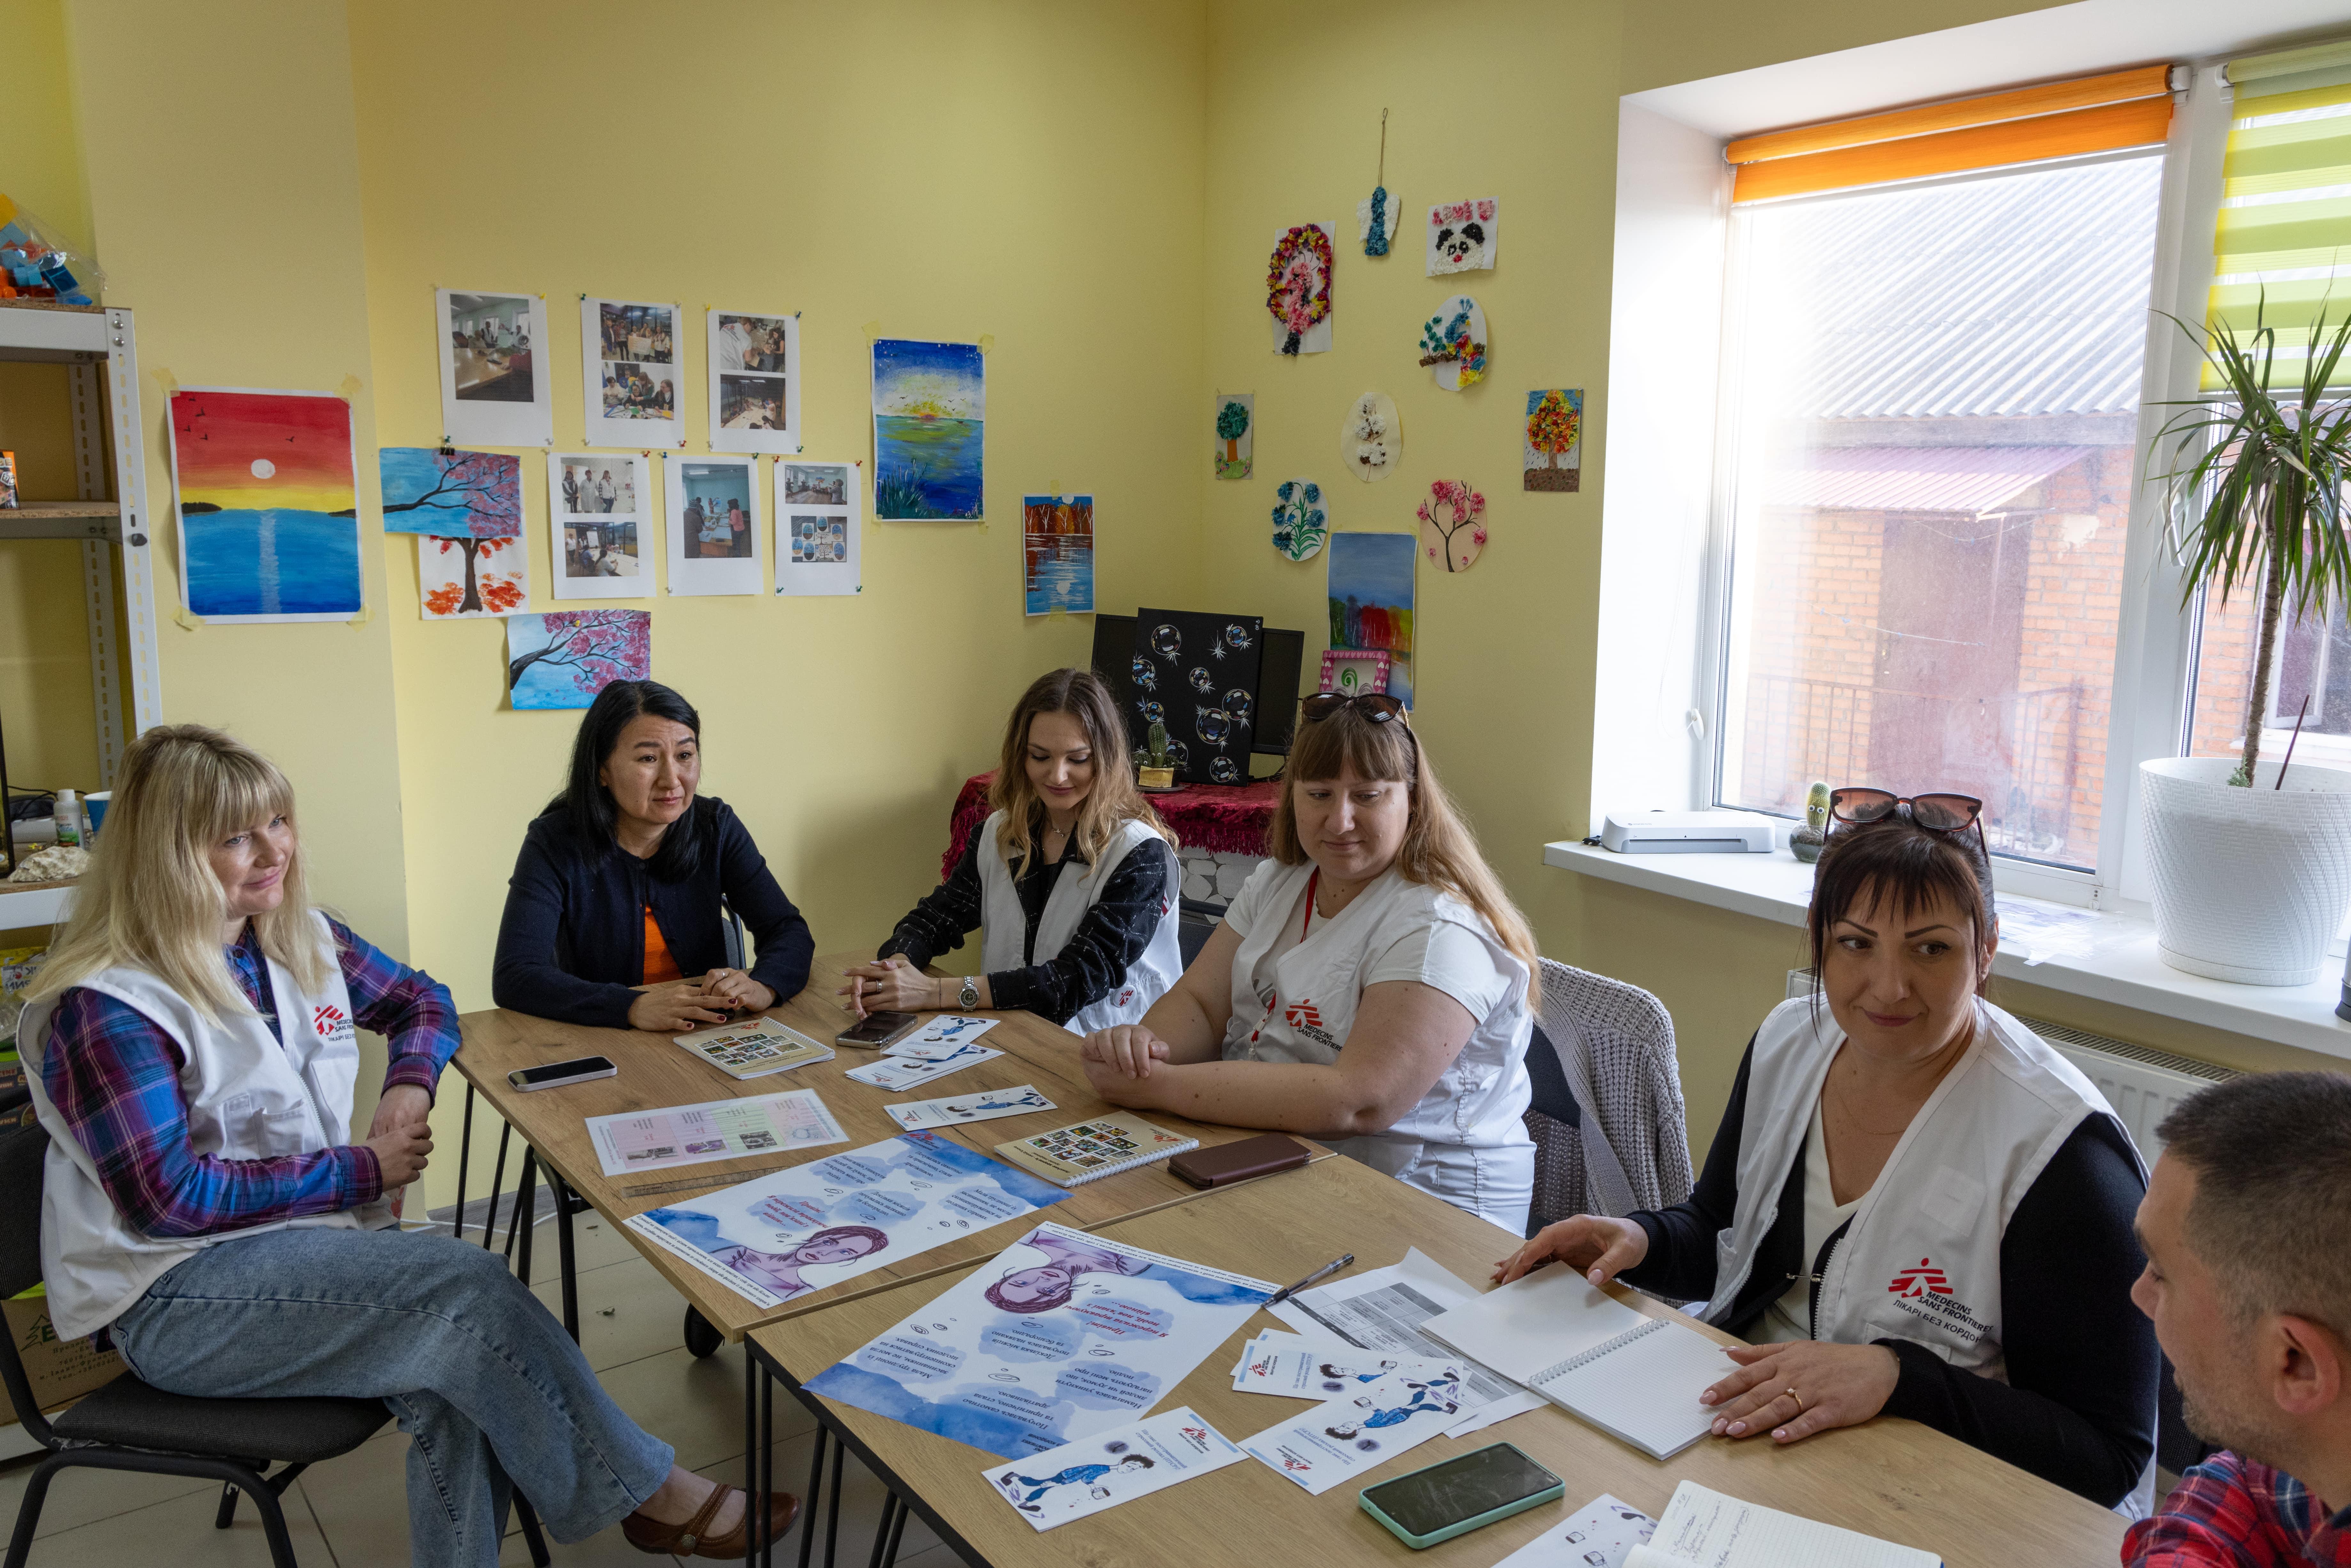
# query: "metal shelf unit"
{"type": "Point", "coordinates": [111, 517]}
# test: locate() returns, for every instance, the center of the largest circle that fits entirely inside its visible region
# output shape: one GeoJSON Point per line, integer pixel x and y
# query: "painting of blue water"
{"type": "Point", "coordinates": [274, 562]}
{"type": "Point", "coordinates": [926, 467]}
{"type": "Point", "coordinates": [1061, 575]}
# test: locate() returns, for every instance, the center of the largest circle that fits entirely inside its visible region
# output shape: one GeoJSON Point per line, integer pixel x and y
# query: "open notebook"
{"type": "Point", "coordinates": [1636, 1378]}
{"type": "Point", "coordinates": [1712, 1530]}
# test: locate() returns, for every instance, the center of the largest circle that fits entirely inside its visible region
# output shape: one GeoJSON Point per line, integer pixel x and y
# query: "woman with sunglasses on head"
{"type": "Point", "coordinates": [1912, 1206]}
{"type": "Point", "coordinates": [1367, 987]}
{"type": "Point", "coordinates": [1071, 881]}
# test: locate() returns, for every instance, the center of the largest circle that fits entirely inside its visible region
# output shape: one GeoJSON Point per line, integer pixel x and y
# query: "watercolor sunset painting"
{"type": "Point", "coordinates": [930, 420]}
{"type": "Point", "coordinates": [268, 507]}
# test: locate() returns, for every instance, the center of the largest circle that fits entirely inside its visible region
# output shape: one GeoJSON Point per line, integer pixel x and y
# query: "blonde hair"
{"type": "Point", "coordinates": [151, 899]}
{"type": "Point", "coordinates": [1439, 849]}
{"type": "Point", "coordinates": [1114, 799]}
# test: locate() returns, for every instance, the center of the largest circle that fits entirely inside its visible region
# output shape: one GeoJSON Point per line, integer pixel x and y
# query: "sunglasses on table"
{"type": "Point", "coordinates": [1937, 813]}
{"type": "Point", "coordinates": [1378, 707]}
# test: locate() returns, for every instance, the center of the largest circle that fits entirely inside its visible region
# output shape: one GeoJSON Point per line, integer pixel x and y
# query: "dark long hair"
{"type": "Point", "coordinates": [587, 804]}
{"type": "Point", "coordinates": [1897, 863]}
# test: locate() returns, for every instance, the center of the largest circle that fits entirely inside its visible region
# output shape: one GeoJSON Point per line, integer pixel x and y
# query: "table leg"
{"type": "Point", "coordinates": [753, 1375]}
{"type": "Point", "coordinates": [890, 1558]}
{"type": "Point", "coordinates": [526, 1210]}
{"type": "Point", "coordinates": [890, 1507]}
{"type": "Point", "coordinates": [465, 1149]}
{"type": "Point", "coordinates": [832, 1506]}
{"type": "Point", "coordinates": [766, 1546]}
{"type": "Point", "coordinates": [566, 1256]}
{"type": "Point", "coordinates": [815, 1484]}
{"type": "Point", "coordinates": [497, 1179]}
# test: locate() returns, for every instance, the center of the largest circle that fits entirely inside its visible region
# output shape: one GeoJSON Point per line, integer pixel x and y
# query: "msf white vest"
{"type": "Point", "coordinates": [1466, 1140]}
{"type": "Point", "coordinates": [1005, 925]}
{"type": "Point", "coordinates": [248, 1098]}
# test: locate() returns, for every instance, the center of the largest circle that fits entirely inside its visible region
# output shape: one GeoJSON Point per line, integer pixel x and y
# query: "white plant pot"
{"type": "Point", "coordinates": [2250, 884]}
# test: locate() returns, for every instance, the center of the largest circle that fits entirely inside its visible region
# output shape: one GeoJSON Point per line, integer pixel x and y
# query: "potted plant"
{"type": "Point", "coordinates": [2251, 859]}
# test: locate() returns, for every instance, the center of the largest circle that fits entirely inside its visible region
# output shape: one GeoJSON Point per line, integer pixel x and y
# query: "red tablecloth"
{"type": "Point", "coordinates": [1230, 818]}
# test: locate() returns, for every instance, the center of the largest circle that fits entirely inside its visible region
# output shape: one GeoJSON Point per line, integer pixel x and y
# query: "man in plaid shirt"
{"type": "Point", "coordinates": [2246, 1227]}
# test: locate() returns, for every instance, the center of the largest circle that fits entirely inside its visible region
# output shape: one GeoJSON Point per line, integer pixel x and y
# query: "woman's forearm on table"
{"type": "Point", "coordinates": [1285, 1097]}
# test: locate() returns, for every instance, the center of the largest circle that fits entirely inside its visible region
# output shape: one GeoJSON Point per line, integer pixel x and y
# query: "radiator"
{"type": "Point", "coordinates": [2140, 1083]}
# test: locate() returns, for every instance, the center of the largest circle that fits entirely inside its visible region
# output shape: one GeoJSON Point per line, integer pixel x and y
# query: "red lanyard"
{"type": "Point", "coordinates": [1311, 883]}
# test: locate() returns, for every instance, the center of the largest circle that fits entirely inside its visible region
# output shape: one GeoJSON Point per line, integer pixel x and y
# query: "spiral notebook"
{"type": "Point", "coordinates": [1091, 1150]}
{"type": "Point", "coordinates": [1636, 1378]}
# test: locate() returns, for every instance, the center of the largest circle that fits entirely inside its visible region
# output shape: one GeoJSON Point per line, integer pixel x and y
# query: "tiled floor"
{"type": "Point", "coordinates": [352, 1513]}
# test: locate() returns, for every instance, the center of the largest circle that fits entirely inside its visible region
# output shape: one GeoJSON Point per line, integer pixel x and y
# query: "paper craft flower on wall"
{"type": "Point", "coordinates": [1297, 283]}
{"type": "Point", "coordinates": [1554, 424]}
{"type": "Point", "coordinates": [1371, 438]}
{"type": "Point", "coordinates": [1451, 529]}
{"type": "Point", "coordinates": [1453, 343]}
{"type": "Point", "coordinates": [1299, 523]}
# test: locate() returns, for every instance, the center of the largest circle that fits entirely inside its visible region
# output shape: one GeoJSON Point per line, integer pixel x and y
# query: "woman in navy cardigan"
{"type": "Point", "coordinates": [612, 913]}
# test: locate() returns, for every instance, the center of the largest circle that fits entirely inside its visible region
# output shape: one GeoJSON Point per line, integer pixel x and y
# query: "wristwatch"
{"type": "Point", "coordinates": [968, 997]}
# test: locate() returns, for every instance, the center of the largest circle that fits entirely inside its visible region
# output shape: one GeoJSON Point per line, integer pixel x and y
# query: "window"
{"type": "Point", "coordinates": [1932, 411]}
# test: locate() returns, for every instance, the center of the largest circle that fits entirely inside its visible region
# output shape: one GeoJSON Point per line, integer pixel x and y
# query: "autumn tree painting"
{"type": "Point", "coordinates": [472, 587]}
{"type": "Point", "coordinates": [1554, 439]}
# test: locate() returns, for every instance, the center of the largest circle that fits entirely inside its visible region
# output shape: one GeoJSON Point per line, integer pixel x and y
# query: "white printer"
{"type": "Point", "coordinates": [1686, 832]}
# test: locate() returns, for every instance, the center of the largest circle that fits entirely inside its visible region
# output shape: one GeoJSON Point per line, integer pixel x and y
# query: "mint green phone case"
{"type": "Point", "coordinates": [1551, 1493]}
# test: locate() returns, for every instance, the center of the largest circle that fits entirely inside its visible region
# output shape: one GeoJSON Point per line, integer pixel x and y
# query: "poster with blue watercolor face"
{"type": "Point", "coordinates": [797, 1230]}
{"type": "Point", "coordinates": [1062, 1336]}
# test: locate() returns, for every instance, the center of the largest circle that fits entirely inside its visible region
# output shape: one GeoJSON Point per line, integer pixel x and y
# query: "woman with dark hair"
{"type": "Point", "coordinates": [612, 915]}
{"type": "Point", "coordinates": [1913, 1207]}
{"type": "Point", "coordinates": [1071, 881]}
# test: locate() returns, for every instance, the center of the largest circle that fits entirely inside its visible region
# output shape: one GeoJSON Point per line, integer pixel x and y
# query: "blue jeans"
{"type": "Point", "coordinates": [491, 1391]}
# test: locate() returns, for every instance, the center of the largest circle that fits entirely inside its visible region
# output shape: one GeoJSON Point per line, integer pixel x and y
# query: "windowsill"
{"type": "Point", "coordinates": [2108, 957]}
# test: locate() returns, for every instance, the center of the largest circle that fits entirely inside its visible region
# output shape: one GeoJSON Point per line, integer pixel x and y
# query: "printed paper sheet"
{"type": "Point", "coordinates": [817, 507]}
{"type": "Point", "coordinates": [629, 358]}
{"type": "Point", "coordinates": [1112, 1468]}
{"type": "Point", "coordinates": [495, 386]}
{"type": "Point", "coordinates": [1295, 1367]}
{"type": "Point", "coordinates": [979, 1105]}
{"type": "Point", "coordinates": [898, 1073]}
{"type": "Point", "coordinates": [715, 538]}
{"type": "Point", "coordinates": [714, 1130]}
{"type": "Point", "coordinates": [1382, 1310]}
{"type": "Point", "coordinates": [943, 1037]}
{"type": "Point", "coordinates": [1354, 1432]}
{"type": "Point", "coordinates": [603, 525]}
{"type": "Point", "coordinates": [1601, 1536]}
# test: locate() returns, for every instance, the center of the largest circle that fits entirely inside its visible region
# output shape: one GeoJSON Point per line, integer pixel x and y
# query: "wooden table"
{"type": "Point", "coordinates": [1890, 1477]}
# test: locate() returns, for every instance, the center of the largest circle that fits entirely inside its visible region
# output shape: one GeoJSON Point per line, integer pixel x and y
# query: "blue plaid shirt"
{"type": "Point", "coordinates": [113, 1075]}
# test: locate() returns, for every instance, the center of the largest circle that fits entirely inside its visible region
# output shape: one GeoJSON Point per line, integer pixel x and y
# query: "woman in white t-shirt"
{"type": "Point", "coordinates": [1368, 987]}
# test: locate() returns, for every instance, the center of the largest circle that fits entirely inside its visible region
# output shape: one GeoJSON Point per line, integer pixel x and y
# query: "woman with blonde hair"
{"type": "Point", "coordinates": [1368, 986]}
{"type": "Point", "coordinates": [1071, 880]}
{"type": "Point", "coordinates": [190, 1050]}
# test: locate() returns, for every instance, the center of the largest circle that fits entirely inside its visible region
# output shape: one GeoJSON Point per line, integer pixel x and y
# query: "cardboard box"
{"type": "Point", "coordinates": [60, 1370]}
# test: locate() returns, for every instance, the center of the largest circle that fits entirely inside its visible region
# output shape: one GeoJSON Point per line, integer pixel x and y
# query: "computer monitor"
{"type": "Point", "coordinates": [1282, 670]}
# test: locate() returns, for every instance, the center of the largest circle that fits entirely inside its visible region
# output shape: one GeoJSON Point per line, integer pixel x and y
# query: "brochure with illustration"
{"type": "Point", "coordinates": [1295, 1367]}
{"type": "Point", "coordinates": [754, 1048]}
{"type": "Point", "coordinates": [901, 1072]}
{"type": "Point", "coordinates": [1352, 1432]}
{"type": "Point", "coordinates": [793, 1231]}
{"type": "Point", "coordinates": [979, 1105]}
{"type": "Point", "coordinates": [1708, 1529]}
{"type": "Point", "coordinates": [714, 1130]}
{"type": "Point", "coordinates": [1602, 1536]}
{"type": "Point", "coordinates": [1384, 1309]}
{"type": "Point", "coordinates": [1064, 1336]}
{"type": "Point", "coordinates": [1091, 1150]}
{"type": "Point", "coordinates": [1112, 1468]}
{"type": "Point", "coordinates": [940, 1037]}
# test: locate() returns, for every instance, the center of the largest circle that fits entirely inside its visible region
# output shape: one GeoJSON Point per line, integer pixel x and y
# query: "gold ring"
{"type": "Point", "coordinates": [1798, 1398]}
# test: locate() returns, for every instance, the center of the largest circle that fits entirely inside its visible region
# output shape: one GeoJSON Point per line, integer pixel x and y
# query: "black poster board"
{"type": "Point", "coordinates": [1197, 672]}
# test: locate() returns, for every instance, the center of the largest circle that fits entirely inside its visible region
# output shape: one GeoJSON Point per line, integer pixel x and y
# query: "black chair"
{"type": "Point", "coordinates": [129, 1426]}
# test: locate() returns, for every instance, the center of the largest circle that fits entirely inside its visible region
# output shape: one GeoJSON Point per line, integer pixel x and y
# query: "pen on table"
{"type": "Point", "coordinates": [1324, 1273]}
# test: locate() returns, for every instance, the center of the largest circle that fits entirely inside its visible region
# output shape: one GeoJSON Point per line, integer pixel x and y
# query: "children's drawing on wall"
{"type": "Point", "coordinates": [563, 658]}
{"type": "Point", "coordinates": [1371, 438]}
{"type": "Point", "coordinates": [1376, 214]}
{"type": "Point", "coordinates": [1462, 236]}
{"type": "Point", "coordinates": [597, 509]}
{"type": "Point", "coordinates": [1371, 599]}
{"type": "Point", "coordinates": [1301, 521]}
{"type": "Point", "coordinates": [1298, 289]}
{"type": "Point", "coordinates": [471, 578]}
{"type": "Point", "coordinates": [1057, 553]}
{"type": "Point", "coordinates": [930, 421]}
{"type": "Point", "coordinates": [1453, 525]}
{"type": "Point", "coordinates": [493, 380]}
{"type": "Point", "coordinates": [1554, 443]}
{"type": "Point", "coordinates": [754, 382]}
{"type": "Point", "coordinates": [816, 518]}
{"type": "Point", "coordinates": [1453, 343]}
{"type": "Point", "coordinates": [715, 524]}
{"type": "Point", "coordinates": [628, 372]}
{"type": "Point", "coordinates": [269, 504]}
{"type": "Point", "coordinates": [1235, 416]}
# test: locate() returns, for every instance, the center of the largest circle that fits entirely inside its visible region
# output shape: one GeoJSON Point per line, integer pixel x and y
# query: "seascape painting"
{"type": "Point", "coordinates": [930, 417]}
{"type": "Point", "coordinates": [1057, 553]}
{"type": "Point", "coordinates": [268, 506]}
{"type": "Point", "coordinates": [1372, 601]}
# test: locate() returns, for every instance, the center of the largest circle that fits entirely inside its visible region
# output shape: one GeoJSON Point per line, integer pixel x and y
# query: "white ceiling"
{"type": "Point", "coordinates": [2040, 46]}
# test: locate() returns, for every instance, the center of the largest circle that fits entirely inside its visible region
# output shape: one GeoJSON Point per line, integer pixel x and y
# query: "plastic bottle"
{"type": "Point", "coordinates": [68, 819]}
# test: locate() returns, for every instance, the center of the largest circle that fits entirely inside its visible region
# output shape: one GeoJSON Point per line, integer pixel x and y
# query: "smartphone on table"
{"type": "Point", "coordinates": [555, 1074]}
{"type": "Point", "coordinates": [1459, 1495]}
{"type": "Point", "coordinates": [876, 1031]}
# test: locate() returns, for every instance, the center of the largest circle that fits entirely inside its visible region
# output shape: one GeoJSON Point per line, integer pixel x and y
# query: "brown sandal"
{"type": "Point", "coordinates": [687, 1540]}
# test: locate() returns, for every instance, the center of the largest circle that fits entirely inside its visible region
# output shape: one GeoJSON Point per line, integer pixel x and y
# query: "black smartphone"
{"type": "Point", "coordinates": [579, 1069]}
{"type": "Point", "coordinates": [878, 1030]}
{"type": "Point", "coordinates": [1459, 1495]}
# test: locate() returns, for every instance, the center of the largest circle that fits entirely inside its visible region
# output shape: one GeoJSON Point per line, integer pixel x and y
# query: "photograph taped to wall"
{"type": "Point", "coordinates": [269, 504]}
{"type": "Point", "coordinates": [628, 374]}
{"type": "Point", "coordinates": [816, 525]}
{"type": "Point", "coordinates": [714, 523]}
{"type": "Point", "coordinates": [754, 381]}
{"type": "Point", "coordinates": [1057, 554]}
{"type": "Point", "coordinates": [930, 431]}
{"type": "Point", "coordinates": [495, 389]}
{"type": "Point", "coordinates": [602, 522]}
{"type": "Point", "coordinates": [472, 578]}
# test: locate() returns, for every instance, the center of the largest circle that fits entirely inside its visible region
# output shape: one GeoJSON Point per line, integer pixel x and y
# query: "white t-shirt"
{"type": "Point", "coordinates": [1441, 954]}
{"type": "Point", "coordinates": [1790, 1317]}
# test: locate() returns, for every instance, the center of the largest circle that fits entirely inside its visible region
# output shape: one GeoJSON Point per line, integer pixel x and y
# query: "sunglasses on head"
{"type": "Point", "coordinates": [1937, 813]}
{"type": "Point", "coordinates": [1377, 707]}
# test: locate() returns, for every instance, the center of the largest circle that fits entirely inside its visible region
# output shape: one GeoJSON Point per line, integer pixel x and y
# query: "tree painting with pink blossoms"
{"type": "Point", "coordinates": [450, 494]}
{"type": "Point", "coordinates": [1298, 289]}
{"type": "Point", "coordinates": [1452, 523]}
{"type": "Point", "coordinates": [563, 658]}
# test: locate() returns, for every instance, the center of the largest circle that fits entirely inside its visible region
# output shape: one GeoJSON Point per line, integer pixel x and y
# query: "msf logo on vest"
{"type": "Point", "coordinates": [1306, 1018]}
{"type": "Point", "coordinates": [1926, 1280]}
{"type": "Point", "coordinates": [332, 1024]}
{"type": "Point", "coordinates": [1926, 1294]}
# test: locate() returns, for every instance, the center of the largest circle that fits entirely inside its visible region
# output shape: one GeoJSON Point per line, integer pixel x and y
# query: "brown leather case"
{"type": "Point", "coordinates": [1239, 1161]}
